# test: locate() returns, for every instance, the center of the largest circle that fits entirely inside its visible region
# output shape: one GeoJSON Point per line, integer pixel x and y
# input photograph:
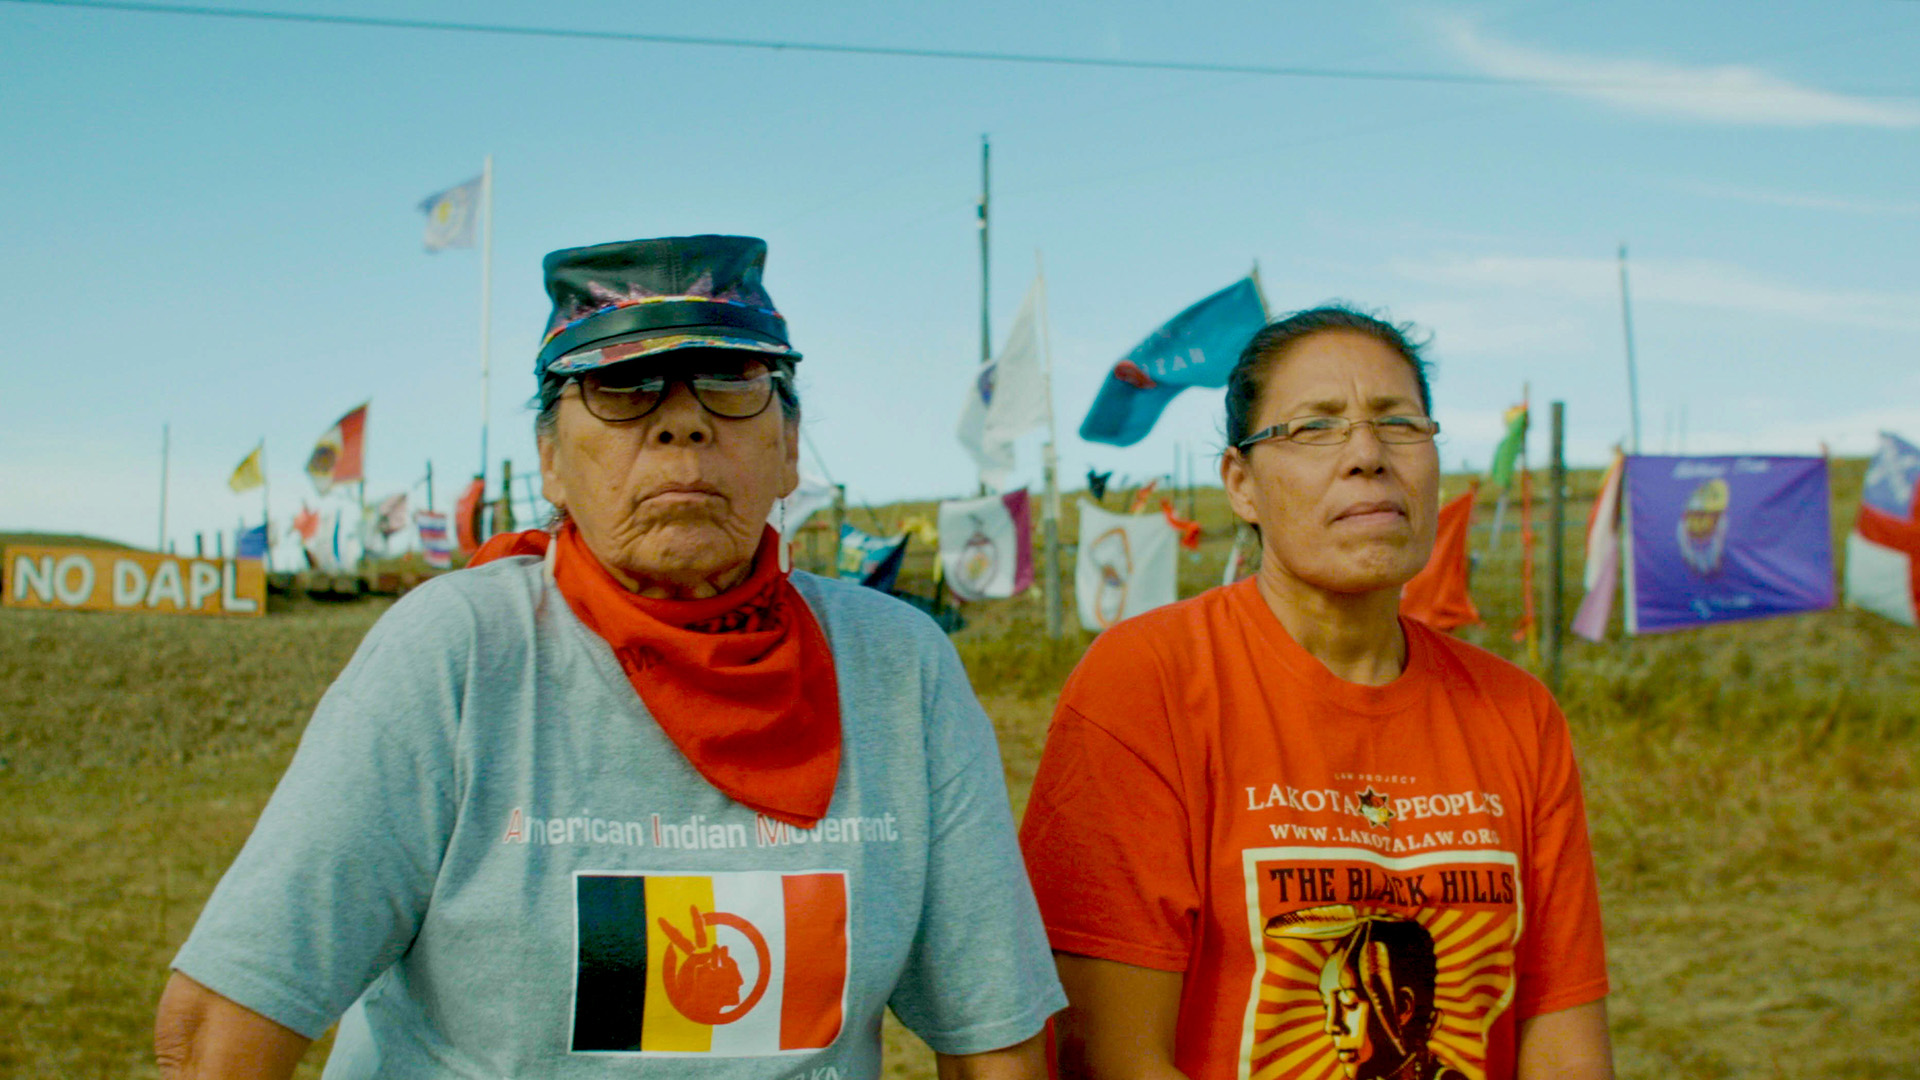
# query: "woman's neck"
{"type": "Point", "coordinates": [1356, 635]}
{"type": "Point", "coordinates": [690, 588]}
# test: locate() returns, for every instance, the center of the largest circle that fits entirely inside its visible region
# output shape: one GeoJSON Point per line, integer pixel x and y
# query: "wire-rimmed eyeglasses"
{"type": "Point", "coordinates": [617, 396]}
{"type": "Point", "coordinates": [1333, 430]}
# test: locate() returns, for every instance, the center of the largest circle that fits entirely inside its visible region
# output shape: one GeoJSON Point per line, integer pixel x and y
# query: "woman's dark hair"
{"type": "Point", "coordinates": [1249, 378]}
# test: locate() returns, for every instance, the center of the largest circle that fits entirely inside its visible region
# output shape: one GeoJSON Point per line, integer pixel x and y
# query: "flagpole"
{"type": "Point", "coordinates": [1050, 510]}
{"type": "Point", "coordinates": [266, 508]}
{"type": "Point", "coordinates": [486, 303]}
{"type": "Point", "coordinates": [986, 328]}
{"type": "Point", "coordinates": [1626, 323]}
{"type": "Point", "coordinates": [165, 439]}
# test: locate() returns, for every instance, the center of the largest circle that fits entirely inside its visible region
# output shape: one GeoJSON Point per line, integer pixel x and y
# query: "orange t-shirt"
{"type": "Point", "coordinates": [1353, 880]}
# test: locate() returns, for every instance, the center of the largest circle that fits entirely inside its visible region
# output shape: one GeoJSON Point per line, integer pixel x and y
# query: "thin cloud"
{"type": "Point", "coordinates": [1760, 197]}
{"type": "Point", "coordinates": [1724, 94]}
{"type": "Point", "coordinates": [1689, 283]}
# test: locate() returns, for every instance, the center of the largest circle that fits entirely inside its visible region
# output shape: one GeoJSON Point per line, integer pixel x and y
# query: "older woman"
{"type": "Point", "coordinates": [632, 799]}
{"type": "Point", "coordinates": [1279, 831]}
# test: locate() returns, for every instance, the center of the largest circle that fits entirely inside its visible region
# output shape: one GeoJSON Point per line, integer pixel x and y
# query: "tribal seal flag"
{"type": "Point", "coordinates": [743, 964]}
{"type": "Point", "coordinates": [986, 546]}
{"type": "Point", "coordinates": [1126, 565]}
{"type": "Point", "coordinates": [1374, 966]}
{"type": "Point", "coordinates": [1702, 531]}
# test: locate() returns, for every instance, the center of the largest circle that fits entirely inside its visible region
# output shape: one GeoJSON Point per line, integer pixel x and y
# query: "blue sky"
{"type": "Point", "coordinates": [211, 223]}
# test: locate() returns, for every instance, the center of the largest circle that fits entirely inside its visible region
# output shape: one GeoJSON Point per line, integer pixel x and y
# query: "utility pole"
{"type": "Point", "coordinates": [165, 440]}
{"type": "Point", "coordinates": [1556, 545]}
{"type": "Point", "coordinates": [1626, 323]}
{"type": "Point", "coordinates": [986, 188]}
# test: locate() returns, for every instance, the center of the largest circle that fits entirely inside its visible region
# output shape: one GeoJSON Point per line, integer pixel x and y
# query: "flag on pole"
{"type": "Point", "coordinates": [435, 546]}
{"type": "Point", "coordinates": [451, 215]}
{"type": "Point", "coordinates": [1127, 564]}
{"type": "Point", "coordinates": [1197, 347]}
{"type": "Point", "coordinates": [247, 475]}
{"type": "Point", "coordinates": [707, 967]}
{"type": "Point", "coordinates": [390, 516]}
{"type": "Point", "coordinates": [1602, 571]}
{"type": "Point", "coordinates": [251, 543]}
{"type": "Point", "coordinates": [986, 546]}
{"type": "Point", "coordinates": [466, 516]}
{"type": "Point", "coordinates": [1008, 395]}
{"type": "Point", "coordinates": [873, 561]}
{"type": "Point", "coordinates": [1438, 595]}
{"type": "Point", "coordinates": [337, 457]}
{"type": "Point", "coordinates": [1512, 444]}
{"type": "Point", "coordinates": [1717, 539]}
{"type": "Point", "coordinates": [1883, 550]}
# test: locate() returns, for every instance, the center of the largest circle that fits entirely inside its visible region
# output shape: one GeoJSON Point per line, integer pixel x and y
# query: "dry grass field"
{"type": "Point", "coordinates": [1754, 792]}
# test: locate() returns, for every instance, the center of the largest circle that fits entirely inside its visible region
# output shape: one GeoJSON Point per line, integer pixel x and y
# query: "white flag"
{"type": "Point", "coordinates": [1127, 565]}
{"type": "Point", "coordinates": [986, 546]}
{"type": "Point", "coordinates": [1008, 395]}
{"type": "Point", "coordinates": [451, 214]}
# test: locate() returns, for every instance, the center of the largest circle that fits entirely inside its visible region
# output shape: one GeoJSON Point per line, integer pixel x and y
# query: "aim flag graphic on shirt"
{"type": "Point", "coordinates": [1718, 539]}
{"type": "Point", "coordinates": [986, 546]}
{"type": "Point", "coordinates": [338, 456]}
{"type": "Point", "coordinates": [737, 964]}
{"type": "Point", "coordinates": [1008, 395]}
{"type": "Point", "coordinates": [451, 214]}
{"type": "Point", "coordinates": [1197, 347]}
{"type": "Point", "coordinates": [1883, 551]}
{"type": "Point", "coordinates": [1127, 565]}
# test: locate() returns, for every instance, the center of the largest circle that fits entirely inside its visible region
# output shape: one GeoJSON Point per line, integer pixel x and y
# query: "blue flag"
{"type": "Point", "coordinates": [251, 543]}
{"type": "Point", "coordinates": [1197, 347]}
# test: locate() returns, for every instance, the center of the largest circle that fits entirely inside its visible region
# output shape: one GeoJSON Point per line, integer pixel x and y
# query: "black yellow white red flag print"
{"type": "Point", "coordinates": [741, 964]}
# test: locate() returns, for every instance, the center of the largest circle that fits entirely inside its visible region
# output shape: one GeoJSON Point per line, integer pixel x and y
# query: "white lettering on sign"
{"type": "Point", "coordinates": [63, 586]}
{"type": "Point", "coordinates": [229, 601]}
{"type": "Point", "coordinates": [202, 581]}
{"type": "Point", "coordinates": [129, 583]}
{"type": "Point", "coordinates": [166, 586]}
{"type": "Point", "coordinates": [26, 575]}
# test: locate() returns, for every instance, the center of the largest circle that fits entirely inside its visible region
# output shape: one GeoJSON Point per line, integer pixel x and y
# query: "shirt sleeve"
{"type": "Point", "coordinates": [1106, 834]}
{"type": "Point", "coordinates": [979, 976]}
{"type": "Point", "coordinates": [332, 885]}
{"type": "Point", "coordinates": [1562, 958]}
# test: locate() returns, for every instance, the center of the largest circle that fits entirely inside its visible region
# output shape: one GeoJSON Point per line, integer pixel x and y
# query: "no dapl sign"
{"type": "Point", "coordinates": [98, 579]}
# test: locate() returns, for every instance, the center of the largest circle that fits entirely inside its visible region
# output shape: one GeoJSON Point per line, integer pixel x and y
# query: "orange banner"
{"type": "Point", "coordinates": [105, 579]}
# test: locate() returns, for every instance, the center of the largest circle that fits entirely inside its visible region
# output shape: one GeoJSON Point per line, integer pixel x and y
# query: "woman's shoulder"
{"type": "Point", "coordinates": [468, 603]}
{"type": "Point", "coordinates": [1455, 660]}
{"type": "Point", "coordinates": [845, 608]}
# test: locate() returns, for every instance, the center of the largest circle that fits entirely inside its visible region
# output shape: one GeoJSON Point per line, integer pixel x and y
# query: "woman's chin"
{"type": "Point", "coordinates": [683, 554]}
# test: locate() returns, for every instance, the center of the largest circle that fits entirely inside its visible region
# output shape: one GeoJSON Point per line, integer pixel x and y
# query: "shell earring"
{"type": "Point", "coordinates": [786, 556]}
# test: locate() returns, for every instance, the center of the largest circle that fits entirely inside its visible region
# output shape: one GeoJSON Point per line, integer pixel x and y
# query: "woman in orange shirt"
{"type": "Point", "coordinates": [1278, 830]}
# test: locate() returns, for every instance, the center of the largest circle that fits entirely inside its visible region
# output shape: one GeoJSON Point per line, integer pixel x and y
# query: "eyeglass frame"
{"type": "Point", "coordinates": [692, 380]}
{"type": "Point", "coordinates": [1281, 431]}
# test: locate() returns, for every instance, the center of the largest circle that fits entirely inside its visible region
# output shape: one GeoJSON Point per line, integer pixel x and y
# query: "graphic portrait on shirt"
{"type": "Point", "coordinates": [1375, 967]}
{"type": "Point", "coordinates": [743, 964]}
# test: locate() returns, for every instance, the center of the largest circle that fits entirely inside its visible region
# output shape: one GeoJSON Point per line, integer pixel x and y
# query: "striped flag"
{"type": "Point", "coordinates": [739, 964]}
{"type": "Point", "coordinates": [435, 545]}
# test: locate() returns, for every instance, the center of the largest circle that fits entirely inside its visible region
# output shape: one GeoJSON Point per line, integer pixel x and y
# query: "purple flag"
{"type": "Point", "coordinates": [1716, 539]}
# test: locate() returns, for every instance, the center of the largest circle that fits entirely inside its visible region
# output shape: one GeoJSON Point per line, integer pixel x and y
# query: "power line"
{"type": "Point", "coordinates": [498, 29]}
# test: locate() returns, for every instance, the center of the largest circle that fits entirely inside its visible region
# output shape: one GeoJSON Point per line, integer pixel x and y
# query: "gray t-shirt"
{"type": "Point", "coordinates": [488, 849]}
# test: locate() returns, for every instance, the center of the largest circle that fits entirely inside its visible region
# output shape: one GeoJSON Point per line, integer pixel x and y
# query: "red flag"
{"type": "Point", "coordinates": [306, 523]}
{"type": "Point", "coordinates": [1437, 595]}
{"type": "Point", "coordinates": [1189, 530]}
{"type": "Point", "coordinates": [337, 457]}
{"type": "Point", "coordinates": [466, 516]}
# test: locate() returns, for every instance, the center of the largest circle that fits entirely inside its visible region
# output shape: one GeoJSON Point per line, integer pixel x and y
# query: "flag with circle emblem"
{"type": "Point", "coordinates": [740, 964]}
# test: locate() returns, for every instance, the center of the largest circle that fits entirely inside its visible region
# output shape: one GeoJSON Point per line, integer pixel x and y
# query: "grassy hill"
{"type": "Point", "coordinates": [1752, 790]}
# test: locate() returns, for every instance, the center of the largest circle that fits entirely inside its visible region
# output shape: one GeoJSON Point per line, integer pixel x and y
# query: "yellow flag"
{"type": "Point", "coordinates": [247, 476]}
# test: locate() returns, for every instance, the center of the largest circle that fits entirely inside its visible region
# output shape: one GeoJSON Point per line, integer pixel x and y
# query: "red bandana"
{"type": "Point", "coordinates": [742, 682]}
